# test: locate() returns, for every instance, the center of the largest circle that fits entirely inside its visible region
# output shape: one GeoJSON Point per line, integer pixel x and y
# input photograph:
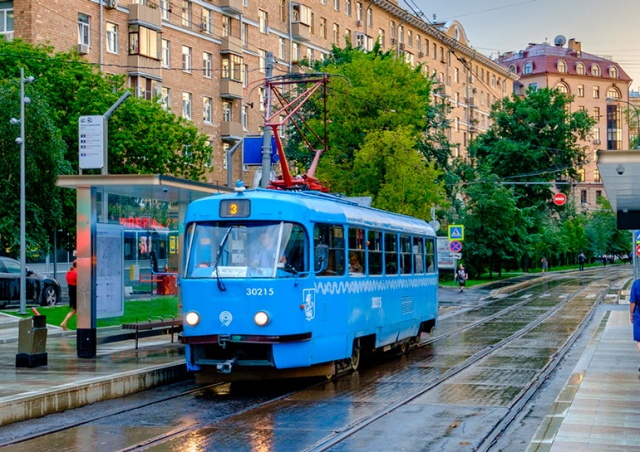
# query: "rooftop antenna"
{"type": "Point", "coordinates": [560, 40]}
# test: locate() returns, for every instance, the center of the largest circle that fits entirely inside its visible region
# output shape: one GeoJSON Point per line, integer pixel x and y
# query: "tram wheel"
{"type": "Point", "coordinates": [355, 354]}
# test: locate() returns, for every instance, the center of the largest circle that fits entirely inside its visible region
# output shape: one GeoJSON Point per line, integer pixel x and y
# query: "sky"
{"type": "Point", "coordinates": [609, 28]}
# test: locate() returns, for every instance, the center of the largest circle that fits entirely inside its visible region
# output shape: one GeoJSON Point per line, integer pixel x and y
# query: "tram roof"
{"type": "Point", "coordinates": [147, 186]}
{"type": "Point", "coordinates": [620, 174]}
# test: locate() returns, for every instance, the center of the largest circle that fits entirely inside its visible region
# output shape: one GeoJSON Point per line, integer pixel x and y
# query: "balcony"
{"type": "Point", "coordinates": [231, 131]}
{"type": "Point", "coordinates": [231, 7]}
{"type": "Point", "coordinates": [145, 66]}
{"type": "Point", "coordinates": [143, 14]}
{"type": "Point", "coordinates": [300, 31]}
{"type": "Point", "coordinates": [231, 44]}
{"type": "Point", "coordinates": [471, 102]}
{"type": "Point", "coordinates": [231, 89]}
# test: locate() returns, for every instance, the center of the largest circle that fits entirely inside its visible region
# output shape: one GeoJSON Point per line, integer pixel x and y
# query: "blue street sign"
{"type": "Point", "coordinates": [456, 232]}
{"type": "Point", "coordinates": [455, 246]}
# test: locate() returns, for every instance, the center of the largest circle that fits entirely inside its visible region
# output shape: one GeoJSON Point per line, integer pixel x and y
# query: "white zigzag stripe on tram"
{"type": "Point", "coordinates": [372, 285]}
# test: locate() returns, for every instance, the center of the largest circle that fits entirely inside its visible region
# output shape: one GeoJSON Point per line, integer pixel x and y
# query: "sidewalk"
{"type": "Point", "coordinates": [69, 382]}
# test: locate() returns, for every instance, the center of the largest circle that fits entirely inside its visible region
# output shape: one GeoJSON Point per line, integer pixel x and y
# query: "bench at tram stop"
{"type": "Point", "coordinates": [154, 327]}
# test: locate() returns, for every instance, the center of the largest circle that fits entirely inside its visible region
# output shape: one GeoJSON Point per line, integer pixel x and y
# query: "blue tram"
{"type": "Point", "coordinates": [280, 284]}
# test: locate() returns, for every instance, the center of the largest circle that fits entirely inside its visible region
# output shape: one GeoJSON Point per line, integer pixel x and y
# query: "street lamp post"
{"type": "Point", "coordinates": [634, 232]}
{"type": "Point", "coordinates": [21, 141]}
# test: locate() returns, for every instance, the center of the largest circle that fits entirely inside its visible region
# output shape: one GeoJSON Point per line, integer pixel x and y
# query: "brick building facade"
{"type": "Point", "coordinates": [206, 58]}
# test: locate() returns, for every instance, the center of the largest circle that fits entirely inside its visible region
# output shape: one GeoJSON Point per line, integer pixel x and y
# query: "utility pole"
{"type": "Point", "coordinates": [266, 133]}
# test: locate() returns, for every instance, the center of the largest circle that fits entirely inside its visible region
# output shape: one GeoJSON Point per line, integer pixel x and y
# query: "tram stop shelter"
{"type": "Point", "coordinates": [157, 187]}
{"type": "Point", "coordinates": [620, 174]}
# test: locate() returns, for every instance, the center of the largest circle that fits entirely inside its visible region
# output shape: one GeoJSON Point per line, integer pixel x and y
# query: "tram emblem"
{"type": "Point", "coordinates": [309, 302]}
{"type": "Point", "coordinates": [225, 318]}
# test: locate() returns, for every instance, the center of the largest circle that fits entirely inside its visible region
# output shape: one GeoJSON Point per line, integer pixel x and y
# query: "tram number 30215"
{"type": "Point", "coordinates": [260, 292]}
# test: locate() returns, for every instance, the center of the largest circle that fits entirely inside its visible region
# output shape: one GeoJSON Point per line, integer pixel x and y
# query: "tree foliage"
{"type": "Point", "coordinates": [382, 131]}
{"type": "Point", "coordinates": [143, 138]}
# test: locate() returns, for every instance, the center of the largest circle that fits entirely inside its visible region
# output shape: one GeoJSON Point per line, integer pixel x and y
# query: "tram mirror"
{"type": "Point", "coordinates": [321, 254]}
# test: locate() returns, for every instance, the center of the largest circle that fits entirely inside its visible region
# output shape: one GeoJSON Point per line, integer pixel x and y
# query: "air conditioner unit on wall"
{"type": "Point", "coordinates": [111, 4]}
{"type": "Point", "coordinates": [83, 49]}
{"type": "Point", "coordinates": [203, 26]}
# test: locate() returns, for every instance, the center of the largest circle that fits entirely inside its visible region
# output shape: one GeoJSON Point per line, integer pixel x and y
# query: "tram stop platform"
{"type": "Point", "coordinates": [597, 409]}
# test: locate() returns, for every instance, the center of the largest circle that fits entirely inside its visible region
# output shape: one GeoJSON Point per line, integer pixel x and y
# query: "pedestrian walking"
{"type": "Point", "coordinates": [544, 264]}
{"type": "Point", "coordinates": [72, 283]}
{"type": "Point", "coordinates": [461, 277]}
{"type": "Point", "coordinates": [634, 312]}
{"type": "Point", "coordinates": [581, 260]}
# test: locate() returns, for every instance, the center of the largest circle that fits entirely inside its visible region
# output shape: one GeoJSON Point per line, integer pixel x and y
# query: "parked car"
{"type": "Point", "coordinates": [40, 289]}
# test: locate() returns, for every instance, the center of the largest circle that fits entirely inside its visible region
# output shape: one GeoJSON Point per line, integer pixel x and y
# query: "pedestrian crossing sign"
{"type": "Point", "coordinates": [456, 232]}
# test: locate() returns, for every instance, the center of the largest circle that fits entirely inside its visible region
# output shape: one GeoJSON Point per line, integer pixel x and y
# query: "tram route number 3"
{"type": "Point", "coordinates": [260, 292]}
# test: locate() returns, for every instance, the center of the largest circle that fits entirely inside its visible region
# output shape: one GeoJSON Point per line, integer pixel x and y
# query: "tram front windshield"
{"type": "Point", "coordinates": [245, 250]}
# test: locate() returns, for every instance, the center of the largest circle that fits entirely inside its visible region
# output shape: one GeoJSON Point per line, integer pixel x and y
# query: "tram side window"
{"type": "Point", "coordinates": [331, 237]}
{"type": "Point", "coordinates": [390, 253]}
{"type": "Point", "coordinates": [374, 245]}
{"type": "Point", "coordinates": [430, 255]}
{"type": "Point", "coordinates": [357, 263]}
{"type": "Point", "coordinates": [294, 242]}
{"type": "Point", "coordinates": [418, 255]}
{"type": "Point", "coordinates": [405, 254]}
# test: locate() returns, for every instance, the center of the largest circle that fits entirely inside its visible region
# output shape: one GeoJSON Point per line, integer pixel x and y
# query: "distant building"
{"type": "Point", "coordinates": [599, 85]}
{"type": "Point", "coordinates": [206, 59]}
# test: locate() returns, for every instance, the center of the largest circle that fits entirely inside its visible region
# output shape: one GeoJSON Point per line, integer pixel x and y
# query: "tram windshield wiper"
{"type": "Point", "coordinates": [221, 285]}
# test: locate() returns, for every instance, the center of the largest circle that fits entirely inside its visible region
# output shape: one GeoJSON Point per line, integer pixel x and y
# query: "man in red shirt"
{"type": "Point", "coordinates": [72, 282]}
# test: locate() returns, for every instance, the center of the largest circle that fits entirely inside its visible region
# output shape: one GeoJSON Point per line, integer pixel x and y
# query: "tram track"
{"type": "Point", "coordinates": [477, 319]}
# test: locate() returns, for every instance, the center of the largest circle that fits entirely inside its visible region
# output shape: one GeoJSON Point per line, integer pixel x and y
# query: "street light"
{"type": "Point", "coordinates": [637, 111]}
{"type": "Point", "coordinates": [23, 217]}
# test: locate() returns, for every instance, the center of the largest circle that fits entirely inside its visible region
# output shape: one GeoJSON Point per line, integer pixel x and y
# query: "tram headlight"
{"type": "Point", "coordinates": [192, 318]}
{"type": "Point", "coordinates": [261, 318]}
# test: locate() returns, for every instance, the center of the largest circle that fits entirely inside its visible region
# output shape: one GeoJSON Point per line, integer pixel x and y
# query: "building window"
{"type": "Point", "coordinates": [528, 67]}
{"type": "Point", "coordinates": [226, 26]}
{"type": "Point", "coordinates": [369, 18]}
{"type": "Point", "coordinates": [165, 98]}
{"type": "Point", "coordinates": [563, 88]}
{"type": "Point", "coordinates": [206, 109]}
{"type": "Point", "coordinates": [562, 66]}
{"type": "Point", "coordinates": [580, 68]}
{"type": "Point", "coordinates": [245, 117]}
{"type": "Point", "coordinates": [186, 105]}
{"type": "Point", "coordinates": [336, 5]}
{"type": "Point", "coordinates": [166, 53]}
{"type": "Point", "coordinates": [145, 41]}
{"type": "Point", "coordinates": [613, 72]}
{"type": "Point", "coordinates": [595, 70]}
{"type": "Point", "coordinates": [596, 92]}
{"type": "Point", "coordinates": [6, 21]}
{"type": "Point", "coordinates": [262, 98]}
{"type": "Point", "coordinates": [226, 111]}
{"type": "Point", "coordinates": [595, 132]}
{"type": "Point", "coordinates": [336, 34]}
{"type": "Point", "coordinates": [186, 59]}
{"type": "Point", "coordinates": [186, 13]}
{"type": "Point", "coordinates": [206, 64]}
{"type": "Point", "coordinates": [381, 37]}
{"type": "Point", "coordinates": [207, 20]}
{"type": "Point", "coordinates": [264, 17]}
{"type": "Point", "coordinates": [596, 113]}
{"type": "Point", "coordinates": [165, 8]}
{"type": "Point", "coordinates": [347, 7]}
{"type": "Point", "coordinates": [245, 74]}
{"type": "Point", "coordinates": [232, 67]}
{"type": "Point", "coordinates": [580, 90]}
{"type": "Point", "coordinates": [283, 11]}
{"type": "Point", "coordinates": [282, 47]}
{"type": "Point", "coordinates": [84, 29]}
{"type": "Point", "coordinates": [583, 193]}
{"type": "Point", "coordinates": [614, 128]}
{"type": "Point", "coordinates": [323, 28]}
{"type": "Point", "coordinates": [596, 175]}
{"type": "Point", "coordinates": [145, 88]}
{"type": "Point", "coordinates": [244, 35]}
{"type": "Point", "coordinates": [598, 196]}
{"type": "Point", "coordinates": [262, 60]}
{"type": "Point", "coordinates": [613, 93]}
{"type": "Point", "coordinates": [112, 38]}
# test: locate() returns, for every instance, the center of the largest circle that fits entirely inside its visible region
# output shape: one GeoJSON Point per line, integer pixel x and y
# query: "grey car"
{"type": "Point", "coordinates": [41, 290]}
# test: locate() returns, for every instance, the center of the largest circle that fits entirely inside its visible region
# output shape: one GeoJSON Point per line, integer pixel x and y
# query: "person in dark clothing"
{"type": "Point", "coordinates": [462, 276]}
{"type": "Point", "coordinates": [581, 260]}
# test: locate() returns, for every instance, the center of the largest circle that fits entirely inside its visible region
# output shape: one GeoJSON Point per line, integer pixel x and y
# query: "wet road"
{"type": "Point", "coordinates": [464, 384]}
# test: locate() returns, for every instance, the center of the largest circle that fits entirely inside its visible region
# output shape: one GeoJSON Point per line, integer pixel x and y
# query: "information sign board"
{"type": "Point", "coordinates": [91, 141]}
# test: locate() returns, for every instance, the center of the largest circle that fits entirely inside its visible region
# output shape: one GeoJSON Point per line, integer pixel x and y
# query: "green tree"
{"type": "Point", "coordinates": [534, 139]}
{"type": "Point", "coordinates": [143, 138]}
{"type": "Point", "coordinates": [375, 96]}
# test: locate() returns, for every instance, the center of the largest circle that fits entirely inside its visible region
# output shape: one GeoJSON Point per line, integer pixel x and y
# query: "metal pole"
{"type": "Point", "coordinates": [266, 133]}
{"type": "Point", "coordinates": [23, 217]}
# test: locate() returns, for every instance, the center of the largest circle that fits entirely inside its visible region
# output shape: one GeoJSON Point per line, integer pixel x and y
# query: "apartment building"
{"type": "Point", "coordinates": [599, 86]}
{"type": "Point", "coordinates": [206, 58]}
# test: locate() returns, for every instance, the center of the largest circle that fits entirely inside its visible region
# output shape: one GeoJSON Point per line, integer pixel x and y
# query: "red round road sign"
{"type": "Point", "coordinates": [559, 199]}
{"type": "Point", "coordinates": [455, 246]}
{"type": "Point", "coordinates": [638, 250]}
